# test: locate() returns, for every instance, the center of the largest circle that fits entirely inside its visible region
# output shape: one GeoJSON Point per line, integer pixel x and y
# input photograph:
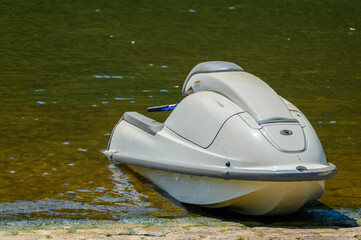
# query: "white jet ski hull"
{"type": "Point", "coordinates": [245, 197]}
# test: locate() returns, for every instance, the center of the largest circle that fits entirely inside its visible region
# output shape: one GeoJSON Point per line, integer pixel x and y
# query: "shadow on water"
{"type": "Point", "coordinates": [313, 214]}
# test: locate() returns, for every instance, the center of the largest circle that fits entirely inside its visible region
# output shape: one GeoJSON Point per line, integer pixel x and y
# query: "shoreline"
{"type": "Point", "coordinates": [178, 228]}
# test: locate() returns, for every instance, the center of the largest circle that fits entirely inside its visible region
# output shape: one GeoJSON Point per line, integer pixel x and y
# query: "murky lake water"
{"type": "Point", "coordinates": [70, 69]}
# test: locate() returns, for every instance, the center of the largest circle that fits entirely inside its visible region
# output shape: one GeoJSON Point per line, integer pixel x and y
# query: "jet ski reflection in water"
{"type": "Point", "coordinates": [231, 142]}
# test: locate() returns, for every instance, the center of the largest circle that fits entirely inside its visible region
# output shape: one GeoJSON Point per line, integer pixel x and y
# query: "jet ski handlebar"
{"type": "Point", "coordinates": [162, 108]}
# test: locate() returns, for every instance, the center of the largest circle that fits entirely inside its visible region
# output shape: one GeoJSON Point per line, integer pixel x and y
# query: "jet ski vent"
{"type": "Point", "coordinates": [286, 132]}
{"type": "Point", "coordinates": [301, 169]}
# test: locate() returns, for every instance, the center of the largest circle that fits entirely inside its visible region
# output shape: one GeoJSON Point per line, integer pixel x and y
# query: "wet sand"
{"type": "Point", "coordinates": [184, 228]}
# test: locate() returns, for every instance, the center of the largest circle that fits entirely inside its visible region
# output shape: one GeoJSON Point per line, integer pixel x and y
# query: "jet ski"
{"type": "Point", "coordinates": [231, 142]}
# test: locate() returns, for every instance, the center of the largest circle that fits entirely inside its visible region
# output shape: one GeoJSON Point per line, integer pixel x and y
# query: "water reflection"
{"type": "Point", "coordinates": [121, 200]}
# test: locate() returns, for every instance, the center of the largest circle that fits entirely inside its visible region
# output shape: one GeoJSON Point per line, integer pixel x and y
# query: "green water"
{"type": "Point", "coordinates": [70, 69]}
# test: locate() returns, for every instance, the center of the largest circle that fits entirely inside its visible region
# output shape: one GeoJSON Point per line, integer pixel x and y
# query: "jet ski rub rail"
{"type": "Point", "coordinates": [228, 173]}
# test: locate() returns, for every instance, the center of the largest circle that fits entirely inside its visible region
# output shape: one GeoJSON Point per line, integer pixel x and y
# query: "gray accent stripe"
{"type": "Point", "coordinates": [145, 123]}
{"type": "Point", "coordinates": [278, 121]}
{"type": "Point", "coordinates": [229, 172]}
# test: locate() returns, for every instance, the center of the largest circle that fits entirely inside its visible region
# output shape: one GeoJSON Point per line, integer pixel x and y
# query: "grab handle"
{"type": "Point", "coordinates": [162, 108]}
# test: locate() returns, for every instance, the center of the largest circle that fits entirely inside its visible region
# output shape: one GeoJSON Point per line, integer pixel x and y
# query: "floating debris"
{"type": "Point", "coordinates": [333, 122]}
{"type": "Point", "coordinates": [163, 90]}
{"type": "Point", "coordinates": [231, 8]}
{"type": "Point", "coordinates": [97, 10]}
{"type": "Point", "coordinates": [94, 105]}
{"type": "Point", "coordinates": [147, 90]}
{"type": "Point", "coordinates": [352, 29]}
{"type": "Point", "coordinates": [191, 10]}
{"type": "Point", "coordinates": [82, 150]}
{"type": "Point", "coordinates": [39, 90]}
{"type": "Point", "coordinates": [151, 65]}
{"type": "Point", "coordinates": [12, 171]}
{"type": "Point", "coordinates": [41, 102]}
{"type": "Point", "coordinates": [105, 102]}
{"type": "Point", "coordinates": [71, 164]}
{"type": "Point", "coordinates": [132, 42]}
{"type": "Point", "coordinates": [164, 66]}
{"type": "Point", "coordinates": [117, 76]}
{"type": "Point", "coordinates": [65, 143]}
{"type": "Point", "coordinates": [107, 134]}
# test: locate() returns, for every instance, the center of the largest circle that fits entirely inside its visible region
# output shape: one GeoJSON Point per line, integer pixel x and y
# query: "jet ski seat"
{"type": "Point", "coordinates": [244, 89]}
{"type": "Point", "coordinates": [146, 124]}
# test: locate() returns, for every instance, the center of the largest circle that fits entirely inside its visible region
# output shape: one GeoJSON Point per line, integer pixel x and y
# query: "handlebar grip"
{"type": "Point", "coordinates": [162, 108]}
{"type": "Point", "coordinates": [157, 108]}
